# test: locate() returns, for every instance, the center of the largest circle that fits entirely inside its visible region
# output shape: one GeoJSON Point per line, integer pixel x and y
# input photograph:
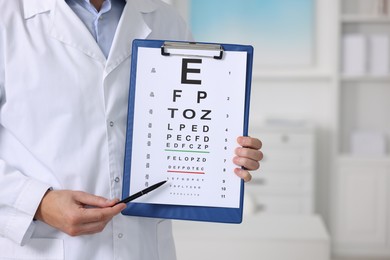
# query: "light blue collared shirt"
{"type": "Point", "coordinates": [102, 24]}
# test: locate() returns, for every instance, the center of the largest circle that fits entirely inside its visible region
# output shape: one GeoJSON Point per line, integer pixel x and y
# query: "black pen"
{"type": "Point", "coordinates": [141, 193]}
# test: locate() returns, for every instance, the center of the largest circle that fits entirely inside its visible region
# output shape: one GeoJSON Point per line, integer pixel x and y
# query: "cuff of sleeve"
{"type": "Point", "coordinates": [20, 226]}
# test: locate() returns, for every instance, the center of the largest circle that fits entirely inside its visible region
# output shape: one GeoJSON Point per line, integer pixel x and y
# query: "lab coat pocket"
{"type": "Point", "coordinates": [166, 246]}
{"type": "Point", "coordinates": [38, 248]}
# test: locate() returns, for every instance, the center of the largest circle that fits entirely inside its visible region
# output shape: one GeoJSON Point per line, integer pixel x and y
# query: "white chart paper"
{"type": "Point", "coordinates": [188, 112]}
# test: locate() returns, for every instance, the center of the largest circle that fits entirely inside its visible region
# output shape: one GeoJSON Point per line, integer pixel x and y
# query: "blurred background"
{"type": "Point", "coordinates": [321, 105]}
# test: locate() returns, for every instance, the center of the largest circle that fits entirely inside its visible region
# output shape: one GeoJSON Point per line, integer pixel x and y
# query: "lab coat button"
{"type": "Point", "coordinates": [111, 123]}
{"type": "Point", "coordinates": [117, 179]}
{"type": "Point", "coordinates": [120, 235]}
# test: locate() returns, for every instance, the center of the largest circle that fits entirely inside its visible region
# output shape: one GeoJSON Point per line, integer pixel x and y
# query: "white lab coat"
{"type": "Point", "coordinates": [63, 109]}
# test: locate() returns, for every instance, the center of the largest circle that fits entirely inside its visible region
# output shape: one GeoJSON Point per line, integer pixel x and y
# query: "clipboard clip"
{"type": "Point", "coordinates": [193, 46]}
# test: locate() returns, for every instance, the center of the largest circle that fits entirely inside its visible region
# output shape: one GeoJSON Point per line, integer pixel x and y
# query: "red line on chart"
{"type": "Point", "coordinates": [187, 172]}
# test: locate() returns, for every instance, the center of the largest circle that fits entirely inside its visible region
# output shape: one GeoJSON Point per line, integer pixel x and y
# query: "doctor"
{"type": "Point", "coordinates": [64, 76]}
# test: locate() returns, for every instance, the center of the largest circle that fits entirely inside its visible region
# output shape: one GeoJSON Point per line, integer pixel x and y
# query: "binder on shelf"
{"type": "Point", "coordinates": [379, 53]}
{"type": "Point", "coordinates": [187, 104]}
{"type": "Point", "coordinates": [368, 143]}
{"type": "Point", "coordinates": [354, 58]}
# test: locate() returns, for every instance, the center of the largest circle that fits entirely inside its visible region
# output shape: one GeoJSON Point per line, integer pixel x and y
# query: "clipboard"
{"type": "Point", "coordinates": [176, 132]}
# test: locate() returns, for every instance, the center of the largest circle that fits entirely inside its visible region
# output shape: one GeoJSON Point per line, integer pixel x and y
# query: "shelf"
{"type": "Point", "coordinates": [352, 18]}
{"type": "Point", "coordinates": [366, 159]}
{"type": "Point", "coordinates": [283, 75]}
{"type": "Point", "coordinates": [365, 78]}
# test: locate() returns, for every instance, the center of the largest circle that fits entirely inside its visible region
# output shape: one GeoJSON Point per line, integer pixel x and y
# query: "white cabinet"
{"type": "Point", "coordinates": [284, 184]}
{"type": "Point", "coordinates": [363, 76]}
{"type": "Point", "coordinates": [363, 203]}
{"type": "Point", "coordinates": [361, 181]}
{"type": "Point", "coordinates": [265, 237]}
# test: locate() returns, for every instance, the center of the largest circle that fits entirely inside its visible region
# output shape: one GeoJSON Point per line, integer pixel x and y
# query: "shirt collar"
{"type": "Point", "coordinates": [106, 6]}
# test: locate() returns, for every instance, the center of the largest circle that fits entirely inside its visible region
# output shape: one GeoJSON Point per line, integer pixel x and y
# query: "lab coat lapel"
{"type": "Point", "coordinates": [70, 30]}
{"type": "Point", "coordinates": [131, 26]}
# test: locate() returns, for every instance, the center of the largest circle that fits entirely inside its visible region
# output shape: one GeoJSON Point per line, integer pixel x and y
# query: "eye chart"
{"type": "Point", "coordinates": [187, 105]}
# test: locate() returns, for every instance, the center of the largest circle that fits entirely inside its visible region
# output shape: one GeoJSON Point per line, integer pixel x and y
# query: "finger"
{"type": "Point", "coordinates": [248, 164]}
{"type": "Point", "coordinates": [91, 215]}
{"type": "Point", "coordinates": [89, 220]}
{"type": "Point", "coordinates": [87, 228]}
{"type": "Point", "coordinates": [243, 174]}
{"type": "Point", "coordinates": [249, 153]}
{"type": "Point", "coordinates": [247, 141]}
{"type": "Point", "coordinates": [93, 200]}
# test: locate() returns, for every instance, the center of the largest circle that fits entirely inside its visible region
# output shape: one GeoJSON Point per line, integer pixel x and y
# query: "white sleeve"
{"type": "Point", "coordinates": [20, 198]}
{"type": "Point", "coordinates": [19, 195]}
